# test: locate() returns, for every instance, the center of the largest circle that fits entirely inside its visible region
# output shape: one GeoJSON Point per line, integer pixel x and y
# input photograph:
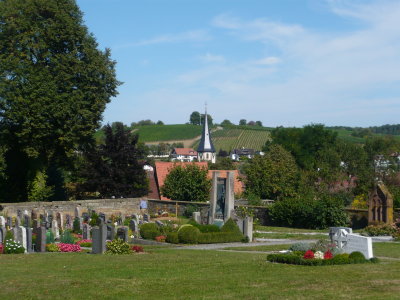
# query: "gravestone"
{"type": "Point", "coordinates": [60, 220]}
{"type": "Point", "coordinates": [110, 232]}
{"type": "Point", "coordinates": [122, 233]}
{"type": "Point", "coordinates": [15, 232]}
{"type": "Point", "coordinates": [103, 217]}
{"type": "Point", "coordinates": [55, 229]}
{"type": "Point", "coordinates": [159, 223]}
{"type": "Point", "coordinates": [86, 232]}
{"type": "Point", "coordinates": [146, 218]}
{"type": "Point", "coordinates": [68, 222]}
{"type": "Point", "coordinates": [229, 195]}
{"type": "Point", "coordinates": [337, 234]}
{"type": "Point", "coordinates": [29, 240]}
{"type": "Point", "coordinates": [33, 215]}
{"type": "Point", "coordinates": [248, 228]}
{"type": "Point", "coordinates": [19, 213]}
{"type": "Point", "coordinates": [85, 217]}
{"type": "Point", "coordinates": [380, 205]}
{"type": "Point", "coordinates": [35, 224]}
{"type": "Point", "coordinates": [40, 245]}
{"type": "Point", "coordinates": [9, 222]}
{"type": "Point", "coordinates": [77, 212]}
{"type": "Point", "coordinates": [143, 204]}
{"type": "Point", "coordinates": [359, 243]}
{"type": "Point", "coordinates": [22, 236]}
{"type": "Point", "coordinates": [2, 234]}
{"type": "Point", "coordinates": [2, 221]}
{"type": "Point", "coordinates": [221, 197]}
{"type": "Point", "coordinates": [50, 220]}
{"type": "Point", "coordinates": [196, 216]}
{"type": "Point", "coordinates": [99, 235]}
{"type": "Point", "coordinates": [17, 222]}
{"type": "Point", "coordinates": [27, 221]}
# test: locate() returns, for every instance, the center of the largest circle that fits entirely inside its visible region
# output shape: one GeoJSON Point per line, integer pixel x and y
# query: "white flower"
{"type": "Point", "coordinates": [319, 255]}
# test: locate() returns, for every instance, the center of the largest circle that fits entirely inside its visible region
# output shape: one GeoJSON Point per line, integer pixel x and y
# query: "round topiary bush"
{"type": "Point", "coordinates": [231, 226]}
{"type": "Point", "coordinates": [189, 235]}
{"type": "Point", "coordinates": [149, 231]}
{"type": "Point", "coordinates": [341, 259]}
{"type": "Point", "coordinates": [172, 237]}
{"type": "Point", "coordinates": [357, 257]}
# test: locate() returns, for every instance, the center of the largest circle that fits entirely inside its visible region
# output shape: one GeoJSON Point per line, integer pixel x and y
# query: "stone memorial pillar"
{"type": "Point", "coordinates": [213, 197]}
{"type": "Point", "coordinates": [99, 239]}
{"type": "Point", "coordinates": [229, 195]}
{"type": "Point", "coordinates": [40, 245]}
{"type": "Point", "coordinates": [196, 216]}
{"type": "Point", "coordinates": [29, 240]}
{"type": "Point", "coordinates": [248, 228]}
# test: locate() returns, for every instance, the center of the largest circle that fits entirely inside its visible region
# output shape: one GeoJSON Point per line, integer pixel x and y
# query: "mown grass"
{"type": "Point", "coordinates": [189, 274]}
{"type": "Point", "coordinates": [291, 236]}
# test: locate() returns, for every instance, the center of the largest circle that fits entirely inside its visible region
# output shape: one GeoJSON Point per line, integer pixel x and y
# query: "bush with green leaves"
{"type": "Point", "coordinates": [118, 246]}
{"type": "Point", "coordinates": [149, 231]}
{"type": "Point", "coordinates": [205, 228]}
{"type": "Point", "coordinates": [219, 237]}
{"type": "Point", "coordinates": [309, 213]}
{"type": "Point", "coordinates": [49, 237]}
{"type": "Point", "coordinates": [12, 247]}
{"type": "Point", "coordinates": [67, 238]}
{"type": "Point", "coordinates": [172, 237]}
{"type": "Point", "coordinates": [76, 226]}
{"type": "Point", "coordinates": [94, 219]}
{"type": "Point", "coordinates": [378, 229]}
{"type": "Point", "coordinates": [52, 248]}
{"type": "Point", "coordinates": [356, 257]}
{"type": "Point", "coordinates": [190, 209]}
{"type": "Point", "coordinates": [231, 226]}
{"type": "Point", "coordinates": [189, 235]}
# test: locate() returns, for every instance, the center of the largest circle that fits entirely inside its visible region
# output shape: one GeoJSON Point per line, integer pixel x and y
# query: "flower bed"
{"type": "Point", "coordinates": [84, 243]}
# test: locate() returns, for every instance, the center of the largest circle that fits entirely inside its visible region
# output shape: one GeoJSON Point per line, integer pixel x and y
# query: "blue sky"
{"type": "Point", "coordinates": [283, 62]}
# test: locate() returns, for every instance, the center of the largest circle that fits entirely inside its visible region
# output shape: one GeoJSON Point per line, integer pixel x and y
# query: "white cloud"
{"type": "Point", "coordinates": [270, 60]}
{"type": "Point", "coordinates": [212, 58]}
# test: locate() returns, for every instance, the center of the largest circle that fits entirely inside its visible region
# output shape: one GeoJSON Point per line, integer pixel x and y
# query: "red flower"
{"type": "Point", "coordinates": [161, 238]}
{"type": "Point", "coordinates": [328, 255]}
{"type": "Point", "coordinates": [137, 249]}
{"type": "Point", "coordinates": [1, 248]}
{"type": "Point", "coordinates": [308, 255]}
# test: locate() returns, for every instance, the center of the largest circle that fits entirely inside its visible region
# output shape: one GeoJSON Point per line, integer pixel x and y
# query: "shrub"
{"type": "Point", "coordinates": [52, 248]}
{"type": "Point", "coordinates": [309, 213]}
{"type": "Point", "coordinates": [172, 237]}
{"type": "Point", "coordinates": [188, 235]}
{"type": "Point", "coordinates": [94, 219]}
{"type": "Point", "coordinates": [231, 226]}
{"type": "Point", "coordinates": [137, 249]}
{"type": "Point", "coordinates": [322, 245]}
{"type": "Point", "coordinates": [204, 228]}
{"type": "Point", "coordinates": [9, 235]}
{"type": "Point", "coordinates": [374, 260]}
{"type": "Point", "coordinates": [76, 226]}
{"type": "Point", "coordinates": [357, 257]}
{"type": "Point", "coordinates": [219, 237]}
{"type": "Point", "coordinates": [379, 229]}
{"type": "Point", "coordinates": [300, 247]}
{"type": "Point", "coordinates": [190, 209]}
{"type": "Point", "coordinates": [49, 237]}
{"type": "Point", "coordinates": [67, 237]}
{"type": "Point", "coordinates": [69, 247]}
{"type": "Point", "coordinates": [118, 246]}
{"type": "Point", "coordinates": [341, 259]}
{"type": "Point", "coordinates": [86, 244]}
{"type": "Point", "coordinates": [12, 247]}
{"type": "Point", "coordinates": [149, 231]}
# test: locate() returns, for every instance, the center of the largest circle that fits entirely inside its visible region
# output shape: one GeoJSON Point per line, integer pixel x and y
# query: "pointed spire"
{"type": "Point", "coordinates": [206, 144]}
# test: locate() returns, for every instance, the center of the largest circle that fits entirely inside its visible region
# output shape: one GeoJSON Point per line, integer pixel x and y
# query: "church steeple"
{"type": "Point", "coordinates": [206, 150]}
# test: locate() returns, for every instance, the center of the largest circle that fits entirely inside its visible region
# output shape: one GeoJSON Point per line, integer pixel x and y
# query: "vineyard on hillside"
{"type": "Point", "coordinates": [153, 133]}
{"type": "Point", "coordinates": [229, 139]}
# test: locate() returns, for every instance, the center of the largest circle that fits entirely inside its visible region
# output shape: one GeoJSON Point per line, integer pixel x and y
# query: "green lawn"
{"type": "Point", "coordinates": [292, 236]}
{"type": "Point", "coordinates": [189, 274]}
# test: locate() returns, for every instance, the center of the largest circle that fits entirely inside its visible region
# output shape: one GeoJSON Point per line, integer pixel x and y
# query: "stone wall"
{"type": "Point", "coordinates": [125, 206]}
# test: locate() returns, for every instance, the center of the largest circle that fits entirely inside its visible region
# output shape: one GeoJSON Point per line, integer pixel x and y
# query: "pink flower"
{"type": "Point", "coordinates": [69, 247]}
{"type": "Point", "coordinates": [83, 241]}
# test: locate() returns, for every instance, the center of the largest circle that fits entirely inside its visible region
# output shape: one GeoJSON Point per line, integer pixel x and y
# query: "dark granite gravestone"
{"type": "Point", "coordinates": [159, 223]}
{"type": "Point", "coordinates": [103, 217]}
{"type": "Point", "coordinates": [27, 221]}
{"type": "Point", "coordinates": [29, 240]}
{"type": "Point", "coordinates": [50, 220]}
{"type": "Point", "coordinates": [133, 225]}
{"type": "Point", "coordinates": [110, 232]}
{"type": "Point", "coordinates": [2, 234]}
{"type": "Point", "coordinates": [40, 245]}
{"type": "Point", "coordinates": [99, 235]}
{"type": "Point", "coordinates": [68, 222]}
{"type": "Point", "coordinates": [85, 217]}
{"type": "Point", "coordinates": [86, 231]}
{"type": "Point", "coordinates": [122, 233]}
{"type": "Point", "coordinates": [146, 218]}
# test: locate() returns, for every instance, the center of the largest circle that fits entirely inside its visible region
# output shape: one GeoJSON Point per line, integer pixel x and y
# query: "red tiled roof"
{"type": "Point", "coordinates": [163, 168]}
{"type": "Point", "coordinates": [185, 151]}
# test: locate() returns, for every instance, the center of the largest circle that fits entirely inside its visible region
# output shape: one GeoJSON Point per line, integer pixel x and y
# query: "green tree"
{"type": "Point", "coordinates": [226, 123]}
{"type": "Point", "coordinates": [195, 118]}
{"type": "Point", "coordinates": [259, 123]}
{"type": "Point", "coordinates": [209, 120]}
{"type": "Point", "coordinates": [54, 86]}
{"type": "Point", "coordinates": [242, 122]}
{"type": "Point", "coordinates": [113, 169]}
{"type": "Point", "coordinates": [273, 175]}
{"type": "Point", "coordinates": [223, 163]}
{"type": "Point", "coordinates": [187, 183]}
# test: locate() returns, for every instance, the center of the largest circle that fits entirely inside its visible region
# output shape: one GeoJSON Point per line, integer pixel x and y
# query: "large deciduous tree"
{"type": "Point", "coordinates": [272, 176]}
{"type": "Point", "coordinates": [187, 183]}
{"type": "Point", "coordinates": [54, 86]}
{"type": "Point", "coordinates": [113, 168]}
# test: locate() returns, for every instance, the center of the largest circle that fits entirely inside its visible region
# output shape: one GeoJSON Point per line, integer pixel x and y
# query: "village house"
{"type": "Point", "coordinates": [183, 154]}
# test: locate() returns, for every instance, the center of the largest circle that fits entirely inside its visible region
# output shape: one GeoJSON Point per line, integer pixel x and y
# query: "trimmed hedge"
{"type": "Point", "coordinates": [189, 235]}
{"type": "Point", "coordinates": [205, 228]}
{"type": "Point", "coordinates": [149, 231]}
{"type": "Point", "coordinates": [219, 237]}
{"type": "Point", "coordinates": [231, 226]}
{"type": "Point", "coordinates": [172, 237]}
{"type": "Point", "coordinates": [293, 259]}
